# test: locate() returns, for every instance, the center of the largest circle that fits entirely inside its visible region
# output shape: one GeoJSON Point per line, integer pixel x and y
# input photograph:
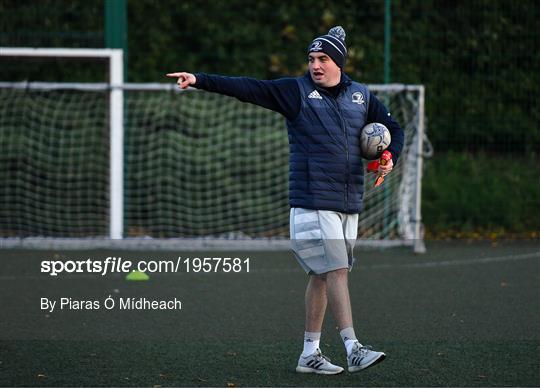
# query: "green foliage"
{"type": "Point", "coordinates": [478, 61]}
{"type": "Point", "coordinates": [467, 192]}
{"type": "Point", "coordinates": [52, 23]}
{"type": "Point", "coordinates": [263, 39]}
{"type": "Point", "coordinates": [475, 58]}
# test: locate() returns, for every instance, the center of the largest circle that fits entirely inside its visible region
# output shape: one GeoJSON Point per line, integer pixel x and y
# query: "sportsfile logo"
{"type": "Point", "coordinates": [112, 265]}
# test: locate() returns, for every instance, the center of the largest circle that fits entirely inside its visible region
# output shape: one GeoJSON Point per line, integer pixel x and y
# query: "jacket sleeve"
{"type": "Point", "coordinates": [377, 112]}
{"type": "Point", "coordinates": [281, 95]}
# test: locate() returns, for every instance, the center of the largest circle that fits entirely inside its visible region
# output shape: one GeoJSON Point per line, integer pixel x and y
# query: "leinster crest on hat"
{"type": "Point", "coordinates": [316, 46]}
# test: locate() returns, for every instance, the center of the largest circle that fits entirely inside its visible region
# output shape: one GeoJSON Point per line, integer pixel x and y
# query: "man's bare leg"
{"type": "Point", "coordinates": [338, 297]}
{"type": "Point", "coordinates": [316, 301]}
{"type": "Point", "coordinates": [340, 305]}
{"type": "Point", "coordinates": [358, 357]}
{"type": "Point", "coordinates": [311, 360]}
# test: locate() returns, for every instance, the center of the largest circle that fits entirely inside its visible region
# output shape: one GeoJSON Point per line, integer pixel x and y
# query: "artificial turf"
{"type": "Point", "coordinates": [462, 315]}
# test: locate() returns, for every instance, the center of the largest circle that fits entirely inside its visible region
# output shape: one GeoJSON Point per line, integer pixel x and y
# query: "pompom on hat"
{"type": "Point", "coordinates": [332, 44]}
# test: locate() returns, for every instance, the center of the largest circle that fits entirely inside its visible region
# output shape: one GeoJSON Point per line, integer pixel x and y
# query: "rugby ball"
{"type": "Point", "coordinates": [374, 139]}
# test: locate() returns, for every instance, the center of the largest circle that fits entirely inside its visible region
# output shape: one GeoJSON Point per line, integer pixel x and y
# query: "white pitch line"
{"type": "Point", "coordinates": [459, 262]}
{"type": "Point", "coordinates": [469, 261]}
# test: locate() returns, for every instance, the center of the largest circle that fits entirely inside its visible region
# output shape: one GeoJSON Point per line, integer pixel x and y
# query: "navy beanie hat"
{"type": "Point", "coordinates": [332, 44]}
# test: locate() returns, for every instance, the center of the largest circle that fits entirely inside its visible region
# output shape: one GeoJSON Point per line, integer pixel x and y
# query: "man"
{"type": "Point", "coordinates": [325, 112]}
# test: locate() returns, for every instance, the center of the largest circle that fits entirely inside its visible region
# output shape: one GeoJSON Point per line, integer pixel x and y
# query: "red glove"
{"type": "Point", "coordinates": [374, 167]}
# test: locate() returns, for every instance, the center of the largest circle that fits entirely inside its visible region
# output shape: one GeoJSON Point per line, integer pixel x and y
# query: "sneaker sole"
{"type": "Point", "coordinates": [307, 370]}
{"type": "Point", "coordinates": [355, 369]}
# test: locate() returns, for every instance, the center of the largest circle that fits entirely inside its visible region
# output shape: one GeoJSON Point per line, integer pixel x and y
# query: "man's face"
{"type": "Point", "coordinates": [324, 71]}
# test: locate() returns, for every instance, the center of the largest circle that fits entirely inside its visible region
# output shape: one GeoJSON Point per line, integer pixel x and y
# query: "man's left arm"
{"type": "Point", "coordinates": [377, 112]}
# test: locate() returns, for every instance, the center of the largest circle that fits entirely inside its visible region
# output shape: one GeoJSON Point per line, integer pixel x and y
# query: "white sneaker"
{"type": "Point", "coordinates": [317, 363]}
{"type": "Point", "coordinates": [362, 357]}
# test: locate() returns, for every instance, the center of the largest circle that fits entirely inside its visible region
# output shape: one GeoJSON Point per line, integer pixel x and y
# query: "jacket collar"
{"type": "Point", "coordinates": [344, 82]}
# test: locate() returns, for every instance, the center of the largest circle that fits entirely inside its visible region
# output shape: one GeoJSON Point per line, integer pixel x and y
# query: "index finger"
{"type": "Point", "coordinates": [174, 75]}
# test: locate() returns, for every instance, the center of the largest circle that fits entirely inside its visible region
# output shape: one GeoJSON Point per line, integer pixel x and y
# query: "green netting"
{"type": "Point", "coordinates": [54, 163]}
{"type": "Point", "coordinates": [196, 164]}
{"type": "Point", "coordinates": [202, 164]}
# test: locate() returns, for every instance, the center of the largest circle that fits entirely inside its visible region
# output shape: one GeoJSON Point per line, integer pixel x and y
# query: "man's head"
{"type": "Point", "coordinates": [326, 56]}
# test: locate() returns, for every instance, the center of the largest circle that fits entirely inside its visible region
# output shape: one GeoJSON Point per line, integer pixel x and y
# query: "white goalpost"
{"type": "Point", "coordinates": [115, 58]}
{"type": "Point", "coordinates": [150, 166]}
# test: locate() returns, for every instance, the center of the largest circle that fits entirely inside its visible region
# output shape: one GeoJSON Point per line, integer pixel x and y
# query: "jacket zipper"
{"type": "Point", "coordinates": [343, 129]}
{"type": "Point", "coordinates": [347, 154]}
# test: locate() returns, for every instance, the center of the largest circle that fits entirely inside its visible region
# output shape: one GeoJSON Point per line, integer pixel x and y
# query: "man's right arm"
{"type": "Point", "coordinates": [281, 95]}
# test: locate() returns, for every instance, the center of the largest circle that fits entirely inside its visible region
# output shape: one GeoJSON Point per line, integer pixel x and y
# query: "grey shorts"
{"type": "Point", "coordinates": [323, 241]}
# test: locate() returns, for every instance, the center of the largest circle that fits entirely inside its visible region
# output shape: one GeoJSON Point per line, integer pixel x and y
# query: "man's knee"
{"type": "Point", "coordinates": [318, 279]}
{"type": "Point", "coordinates": [338, 274]}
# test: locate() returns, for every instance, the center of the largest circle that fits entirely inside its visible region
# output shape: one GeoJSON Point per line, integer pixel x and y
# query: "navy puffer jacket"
{"type": "Point", "coordinates": [326, 170]}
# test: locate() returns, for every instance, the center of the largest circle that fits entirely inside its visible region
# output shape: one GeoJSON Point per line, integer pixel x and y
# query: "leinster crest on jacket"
{"type": "Point", "coordinates": [358, 98]}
